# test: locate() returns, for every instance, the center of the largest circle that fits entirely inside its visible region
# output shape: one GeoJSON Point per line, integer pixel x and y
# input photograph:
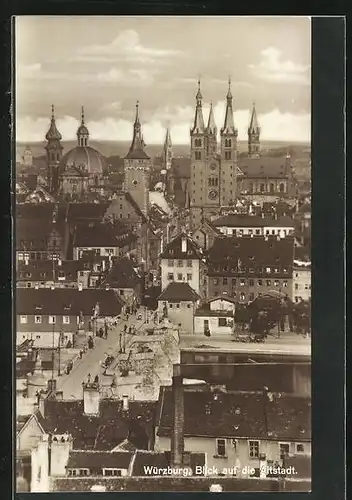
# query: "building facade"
{"type": "Point", "coordinates": [301, 281]}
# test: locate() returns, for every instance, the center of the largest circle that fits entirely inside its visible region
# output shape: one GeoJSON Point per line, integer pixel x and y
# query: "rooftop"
{"type": "Point", "coordinates": [177, 292]}
{"type": "Point", "coordinates": [176, 250]}
{"type": "Point", "coordinates": [264, 166]}
{"type": "Point", "coordinates": [123, 274]}
{"type": "Point", "coordinates": [102, 235]}
{"type": "Point", "coordinates": [239, 220]}
{"type": "Point", "coordinates": [47, 270]}
{"type": "Point", "coordinates": [238, 414]}
{"type": "Point", "coordinates": [66, 301]}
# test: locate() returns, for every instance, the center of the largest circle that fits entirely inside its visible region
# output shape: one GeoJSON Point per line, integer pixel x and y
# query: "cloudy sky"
{"type": "Point", "coordinates": [107, 63]}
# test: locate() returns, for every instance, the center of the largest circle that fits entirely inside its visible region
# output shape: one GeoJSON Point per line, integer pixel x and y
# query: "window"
{"type": "Point", "coordinates": [251, 282]}
{"type": "Point", "coordinates": [284, 283]}
{"type": "Point", "coordinates": [37, 320]}
{"type": "Point", "coordinates": [268, 282]}
{"type": "Point", "coordinates": [170, 263]}
{"type": "Point", "coordinates": [251, 187]}
{"type": "Point", "coordinates": [253, 449]}
{"type": "Point", "coordinates": [272, 189]}
{"type": "Point", "coordinates": [221, 447]}
{"type": "Point", "coordinates": [83, 472]}
{"type": "Point", "coordinates": [260, 282]}
{"type": "Point", "coordinates": [180, 277]}
{"type": "Point", "coordinates": [189, 263]}
{"type": "Point", "coordinates": [227, 143]}
{"type": "Point", "coordinates": [234, 282]}
{"type": "Point", "coordinates": [198, 155]}
{"type": "Point", "coordinates": [216, 281]}
{"type": "Point", "coordinates": [276, 283]}
{"type": "Point", "coordinates": [257, 231]}
{"type": "Point", "coordinates": [224, 281]}
{"type": "Point", "coordinates": [112, 472]}
{"type": "Point", "coordinates": [66, 320]}
{"type": "Point", "coordinates": [177, 306]}
{"type": "Point", "coordinates": [52, 320]}
{"type": "Point", "coordinates": [227, 155]}
{"type": "Point", "coordinates": [170, 276]}
{"type": "Point", "coordinates": [251, 296]}
{"type": "Point", "coordinates": [242, 282]}
{"type": "Point", "coordinates": [222, 322]}
{"type": "Point", "coordinates": [242, 296]}
{"type": "Point", "coordinates": [189, 277]}
{"type": "Point", "coordinates": [180, 263]}
{"type": "Point", "coordinates": [23, 319]}
{"type": "Point", "coordinates": [262, 188]}
{"type": "Point", "coordinates": [282, 188]}
{"type": "Point", "coordinates": [284, 450]}
{"type": "Point", "coordinates": [300, 448]}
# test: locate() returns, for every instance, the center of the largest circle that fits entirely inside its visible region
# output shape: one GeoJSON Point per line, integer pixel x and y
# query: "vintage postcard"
{"type": "Point", "coordinates": [162, 248]}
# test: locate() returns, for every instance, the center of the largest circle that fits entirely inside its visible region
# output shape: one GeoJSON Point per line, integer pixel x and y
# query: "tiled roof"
{"type": "Point", "coordinates": [91, 211]}
{"type": "Point", "coordinates": [91, 459]}
{"type": "Point", "coordinates": [123, 275]}
{"type": "Point", "coordinates": [32, 234]}
{"type": "Point", "coordinates": [302, 253]}
{"type": "Point", "coordinates": [250, 252]}
{"type": "Point", "coordinates": [264, 166]}
{"type": "Point", "coordinates": [45, 270]}
{"type": "Point", "coordinates": [173, 250]}
{"type": "Point", "coordinates": [239, 220]}
{"type": "Point", "coordinates": [66, 301]}
{"type": "Point", "coordinates": [280, 208]}
{"type": "Point", "coordinates": [102, 235]}
{"type": "Point", "coordinates": [238, 415]}
{"type": "Point", "coordinates": [176, 292]}
{"type": "Point", "coordinates": [104, 432]}
{"type": "Point", "coordinates": [40, 211]}
{"type": "Point", "coordinates": [181, 167]}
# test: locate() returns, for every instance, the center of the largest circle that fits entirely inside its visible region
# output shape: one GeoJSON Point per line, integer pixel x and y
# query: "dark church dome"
{"type": "Point", "coordinates": [85, 157]}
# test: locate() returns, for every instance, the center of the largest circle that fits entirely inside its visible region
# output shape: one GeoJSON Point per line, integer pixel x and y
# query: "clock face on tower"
{"type": "Point", "coordinates": [134, 182]}
{"type": "Point", "coordinates": [213, 194]}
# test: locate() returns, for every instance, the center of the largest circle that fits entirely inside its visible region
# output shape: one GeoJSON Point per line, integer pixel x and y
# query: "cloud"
{"type": "Point", "coordinates": [127, 46]}
{"type": "Point", "coordinates": [273, 69]}
{"type": "Point", "coordinates": [275, 125]}
{"type": "Point", "coordinates": [131, 77]}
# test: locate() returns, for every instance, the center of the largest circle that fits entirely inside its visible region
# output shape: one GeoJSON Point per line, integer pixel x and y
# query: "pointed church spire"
{"type": "Point", "coordinates": [253, 124]}
{"type": "Point", "coordinates": [211, 128]}
{"type": "Point", "coordinates": [167, 149]}
{"type": "Point", "coordinates": [229, 125]}
{"type": "Point", "coordinates": [136, 150]}
{"type": "Point", "coordinates": [253, 134]}
{"type": "Point", "coordinates": [53, 133]}
{"type": "Point", "coordinates": [198, 126]}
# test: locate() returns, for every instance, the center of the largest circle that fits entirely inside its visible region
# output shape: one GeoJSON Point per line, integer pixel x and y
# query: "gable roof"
{"type": "Point", "coordinates": [173, 250]}
{"type": "Point", "coordinates": [122, 275]}
{"type": "Point", "coordinates": [104, 432]}
{"type": "Point", "coordinates": [43, 270]}
{"type": "Point", "coordinates": [99, 235]}
{"type": "Point", "coordinates": [177, 292]}
{"type": "Point", "coordinates": [264, 166]}
{"type": "Point", "coordinates": [238, 415]}
{"type": "Point", "coordinates": [66, 301]}
{"type": "Point", "coordinates": [81, 211]}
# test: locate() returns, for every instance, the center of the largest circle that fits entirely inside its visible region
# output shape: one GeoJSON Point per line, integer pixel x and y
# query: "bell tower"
{"type": "Point", "coordinates": [53, 153]}
{"type": "Point", "coordinates": [228, 136]}
{"type": "Point", "coordinates": [137, 166]}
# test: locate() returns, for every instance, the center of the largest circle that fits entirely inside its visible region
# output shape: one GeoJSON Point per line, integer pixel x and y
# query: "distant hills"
{"type": "Point", "coordinates": [112, 148]}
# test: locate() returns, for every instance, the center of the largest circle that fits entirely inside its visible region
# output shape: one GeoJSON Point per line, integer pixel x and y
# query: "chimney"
{"type": "Point", "coordinates": [177, 438]}
{"type": "Point", "coordinates": [52, 385]}
{"type": "Point", "coordinates": [184, 244]}
{"type": "Point", "coordinates": [91, 398]}
{"type": "Point", "coordinates": [125, 402]}
{"type": "Point", "coordinates": [61, 445]}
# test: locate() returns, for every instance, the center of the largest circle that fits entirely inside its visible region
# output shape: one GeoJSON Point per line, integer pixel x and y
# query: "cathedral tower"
{"type": "Point", "coordinates": [137, 168]}
{"type": "Point", "coordinates": [211, 132]}
{"type": "Point", "coordinates": [228, 135]}
{"type": "Point", "coordinates": [198, 157]}
{"type": "Point", "coordinates": [253, 135]}
{"type": "Point", "coordinates": [53, 153]}
{"type": "Point", "coordinates": [82, 132]}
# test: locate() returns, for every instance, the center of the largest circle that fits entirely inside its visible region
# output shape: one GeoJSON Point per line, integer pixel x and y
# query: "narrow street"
{"type": "Point", "coordinates": [71, 384]}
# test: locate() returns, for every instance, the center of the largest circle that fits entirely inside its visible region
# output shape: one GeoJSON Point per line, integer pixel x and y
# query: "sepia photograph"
{"type": "Point", "coordinates": [162, 253]}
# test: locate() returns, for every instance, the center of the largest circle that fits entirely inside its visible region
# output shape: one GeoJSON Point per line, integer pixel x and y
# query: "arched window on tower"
{"type": "Point", "coordinates": [282, 187]}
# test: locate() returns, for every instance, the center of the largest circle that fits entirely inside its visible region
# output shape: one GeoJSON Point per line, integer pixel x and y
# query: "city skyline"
{"type": "Point", "coordinates": [109, 64]}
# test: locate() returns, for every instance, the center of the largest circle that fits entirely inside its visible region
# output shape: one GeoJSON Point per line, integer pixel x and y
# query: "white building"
{"type": "Point", "coordinates": [181, 261]}
{"type": "Point", "coordinates": [215, 318]}
{"type": "Point", "coordinates": [243, 224]}
{"type": "Point", "coordinates": [301, 282]}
